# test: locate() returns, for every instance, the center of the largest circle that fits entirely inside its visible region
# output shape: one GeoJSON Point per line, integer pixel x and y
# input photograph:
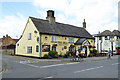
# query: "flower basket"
{"type": "Point", "coordinates": [65, 47]}
{"type": "Point", "coordinates": [90, 46]}
{"type": "Point", "coordinates": [72, 45]}
{"type": "Point", "coordinates": [93, 46]}
{"type": "Point", "coordinates": [54, 45]}
{"type": "Point", "coordinates": [84, 46]}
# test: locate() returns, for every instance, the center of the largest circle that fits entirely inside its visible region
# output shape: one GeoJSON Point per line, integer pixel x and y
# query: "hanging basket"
{"type": "Point", "coordinates": [72, 45]}
{"type": "Point", "coordinates": [54, 45]}
{"type": "Point", "coordinates": [93, 46]}
{"type": "Point", "coordinates": [84, 46]}
{"type": "Point", "coordinates": [90, 46]}
{"type": "Point", "coordinates": [65, 47]}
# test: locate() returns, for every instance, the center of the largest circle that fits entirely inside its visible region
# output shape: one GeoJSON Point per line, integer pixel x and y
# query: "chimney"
{"type": "Point", "coordinates": [3, 37]}
{"type": "Point", "coordinates": [84, 24]}
{"type": "Point", "coordinates": [50, 16]}
{"type": "Point", "coordinates": [6, 35]}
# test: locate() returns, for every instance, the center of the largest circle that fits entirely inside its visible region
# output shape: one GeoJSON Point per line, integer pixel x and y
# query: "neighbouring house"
{"type": "Point", "coordinates": [40, 36]}
{"type": "Point", "coordinates": [8, 45]}
{"type": "Point", "coordinates": [8, 42]}
{"type": "Point", "coordinates": [106, 40]}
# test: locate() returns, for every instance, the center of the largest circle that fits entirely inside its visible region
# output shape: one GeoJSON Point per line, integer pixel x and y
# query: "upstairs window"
{"type": "Point", "coordinates": [29, 36]}
{"type": "Point", "coordinates": [29, 49]}
{"type": "Point", "coordinates": [100, 38]}
{"type": "Point", "coordinates": [106, 37]}
{"type": "Point", "coordinates": [38, 39]}
{"type": "Point", "coordinates": [53, 38]}
{"type": "Point", "coordinates": [71, 40]}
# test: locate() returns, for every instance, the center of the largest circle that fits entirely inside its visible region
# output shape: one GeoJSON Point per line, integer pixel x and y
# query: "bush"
{"type": "Point", "coordinates": [90, 55]}
{"type": "Point", "coordinates": [94, 51]}
{"type": "Point", "coordinates": [68, 53]}
{"type": "Point", "coordinates": [45, 56]}
{"type": "Point", "coordinates": [53, 54]}
{"type": "Point", "coordinates": [60, 55]}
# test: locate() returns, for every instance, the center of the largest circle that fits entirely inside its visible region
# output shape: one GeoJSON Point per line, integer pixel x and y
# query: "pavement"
{"type": "Point", "coordinates": [88, 59]}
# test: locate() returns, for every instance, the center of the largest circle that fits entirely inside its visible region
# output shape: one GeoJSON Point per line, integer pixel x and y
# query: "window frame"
{"type": "Point", "coordinates": [29, 49]}
{"type": "Point", "coordinates": [71, 40]}
{"type": "Point", "coordinates": [106, 37]}
{"type": "Point", "coordinates": [53, 39]}
{"type": "Point", "coordinates": [37, 48]}
{"type": "Point", "coordinates": [29, 36]}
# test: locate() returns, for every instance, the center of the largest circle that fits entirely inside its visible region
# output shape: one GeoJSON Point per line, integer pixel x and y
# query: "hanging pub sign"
{"type": "Point", "coordinates": [45, 48]}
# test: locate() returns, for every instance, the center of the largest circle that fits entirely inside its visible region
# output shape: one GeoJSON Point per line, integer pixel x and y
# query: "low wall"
{"type": "Point", "coordinates": [8, 51]}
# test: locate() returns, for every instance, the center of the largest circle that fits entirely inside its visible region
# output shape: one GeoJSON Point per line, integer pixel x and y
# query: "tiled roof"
{"type": "Point", "coordinates": [15, 40]}
{"type": "Point", "coordinates": [116, 33]}
{"type": "Point", "coordinates": [109, 33]}
{"type": "Point", "coordinates": [44, 26]}
{"type": "Point", "coordinates": [80, 41]}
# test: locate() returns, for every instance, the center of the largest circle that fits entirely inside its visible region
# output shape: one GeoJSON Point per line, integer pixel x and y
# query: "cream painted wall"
{"type": "Point", "coordinates": [60, 41]}
{"type": "Point", "coordinates": [24, 42]}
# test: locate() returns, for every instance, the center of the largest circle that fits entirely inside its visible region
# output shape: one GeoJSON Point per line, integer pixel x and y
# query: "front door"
{"type": "Point", "coordinates": [86, 51]}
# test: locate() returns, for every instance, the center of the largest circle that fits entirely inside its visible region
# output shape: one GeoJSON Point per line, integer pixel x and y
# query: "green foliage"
{"type": "Point", "coordinates": [45, 56]}
{"type": "Point", "coordinates": [60, 55]}
{"type": "Point", "coordinates": [68, 53]}
{"type": "Point", "coordinates": [52, 54]}
{"type": "Point", "coordinates": [94, 51]}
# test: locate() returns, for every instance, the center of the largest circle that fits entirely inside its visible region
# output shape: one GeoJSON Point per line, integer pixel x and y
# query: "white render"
{"type": "Point", "coordinates": [105, 44]}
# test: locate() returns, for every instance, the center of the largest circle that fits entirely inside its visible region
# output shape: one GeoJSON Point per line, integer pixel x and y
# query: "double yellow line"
{"type": "Point", "coordinates": [4, 70]}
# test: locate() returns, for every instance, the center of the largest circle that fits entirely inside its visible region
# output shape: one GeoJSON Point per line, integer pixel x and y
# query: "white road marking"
{"type": "Point", "coordinates": [115, 63]}
{"type": "Point", "coordinates": [57, 65]}
{"type": "Point", "coordinates": [88, 69]}
{"type": "Point", "coordinates": [49, 77]}
{"type": "Point", "coordinates": [25, 63]}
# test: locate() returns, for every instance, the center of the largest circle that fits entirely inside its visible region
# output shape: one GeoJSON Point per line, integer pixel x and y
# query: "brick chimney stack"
{"type": "Point", "coordinates": [84, 24]}
{"type": "Point", "coordinates": [50, 16]}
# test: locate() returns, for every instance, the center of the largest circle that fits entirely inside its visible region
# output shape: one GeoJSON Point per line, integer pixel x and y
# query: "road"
{"type": "Point", "coordinates": [18, 68]}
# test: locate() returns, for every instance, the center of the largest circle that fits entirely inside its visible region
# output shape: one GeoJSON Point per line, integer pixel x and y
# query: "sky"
{"type": "Point", "coordinates": [100, 15]}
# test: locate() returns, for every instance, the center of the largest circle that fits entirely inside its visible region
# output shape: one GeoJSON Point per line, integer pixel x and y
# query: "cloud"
{"type": "Point", "coordinates": [98, 13]}
{"type": "Point", "coordinates": [12, 25]}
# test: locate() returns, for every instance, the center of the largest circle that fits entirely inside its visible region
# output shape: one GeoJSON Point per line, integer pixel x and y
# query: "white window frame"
{"type": "Point", "coordinates": [29, 49]}
{"type": "Point", "coordinates": [53, 38]}
{"type": "Point", "coordinates": [71, 40]}
{"type": "Point", "coordinates": [29, 36]}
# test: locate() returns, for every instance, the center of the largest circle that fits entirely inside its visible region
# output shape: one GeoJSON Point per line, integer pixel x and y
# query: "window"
{"type": "Point", "coordinates": [29, 49]}
{"type": "Point", "coordinates": [100, 38]}
{"type": "Point", "coordinates": [17, 44]}
{"type": "Point", "coordinates": [106, 38]}
{"type": "Point", "coordinates": [53, 38]}
{"type": "Point", "coordinates": [37, 39]}
{"type": "Point", "coordinates": [29, 36]}
{"type": "Point", "coordinates": [54, 48]}
{"type": "Point", "coordinates": [37, 48]}
{"type": "Point", "coordinates": [71, 40]}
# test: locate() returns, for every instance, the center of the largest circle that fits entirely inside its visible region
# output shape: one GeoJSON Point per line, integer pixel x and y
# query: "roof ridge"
{"type": "Point", "coordinates": [57, 22]}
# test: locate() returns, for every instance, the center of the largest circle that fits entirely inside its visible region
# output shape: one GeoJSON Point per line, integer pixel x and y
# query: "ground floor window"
{"type": "Point", "coordinates": [45, 48]}
{"type": "Point", "coordinates": [71, 48]}
{"type": "Point", "coordinates": [54, 48]}
{"type": "Point", "coordinates": [37, 48]}
{"type": "Point", "coordinates": [29, 49]}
